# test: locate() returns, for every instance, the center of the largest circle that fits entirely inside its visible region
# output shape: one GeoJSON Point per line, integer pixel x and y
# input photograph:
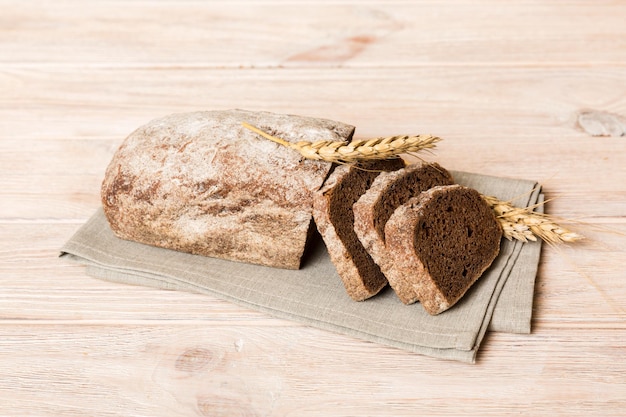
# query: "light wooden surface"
{"type": "Point", "coordinates": [503, 83]}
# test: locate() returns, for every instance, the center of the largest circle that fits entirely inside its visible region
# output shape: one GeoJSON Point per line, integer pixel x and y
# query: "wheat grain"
{"type": "Point", "coordinates": [517, 223]}
{"type": "Point", "coordinates": [356, 150]}
{"type": "Point", "coordinates": [524, 224]}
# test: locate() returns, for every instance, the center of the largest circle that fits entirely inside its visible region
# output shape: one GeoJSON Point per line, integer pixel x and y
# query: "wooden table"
{"type": "Point", "coordinates": [504, 83]}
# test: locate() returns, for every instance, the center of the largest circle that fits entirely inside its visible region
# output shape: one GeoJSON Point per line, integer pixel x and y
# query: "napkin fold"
{"type": "Point", "coordinates": [500, 300]}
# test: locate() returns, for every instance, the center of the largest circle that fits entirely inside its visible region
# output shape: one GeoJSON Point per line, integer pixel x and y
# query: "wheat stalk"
{"type": "Point", "coordinates": [517, 223]}
{"type": "Point", "coordinates": [524, 224]}
{"type": "Point", "coordinates": [356, 150]}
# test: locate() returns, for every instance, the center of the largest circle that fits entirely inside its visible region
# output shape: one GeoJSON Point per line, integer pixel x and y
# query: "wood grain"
{"type": "Point", "coordinates": [503, 83]}
{"type": "Point", "coordinates": [302, 34]}
{"type": "Point", "coordinates": [453, 101]}
{"type": "Point", "coordinates": [218, 370]}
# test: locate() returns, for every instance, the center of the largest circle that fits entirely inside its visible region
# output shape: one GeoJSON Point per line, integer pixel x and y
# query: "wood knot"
{"type": "Point", "coordinates": [362, 39]}
{"type": "Point", "coordinates": [342, 50]}
{"type": "Point", "coordinates": [216, 406]}
{"type": "Point", "coordinates": [601, 123]}
{"type": "Point", "coordinates": [193, 360]}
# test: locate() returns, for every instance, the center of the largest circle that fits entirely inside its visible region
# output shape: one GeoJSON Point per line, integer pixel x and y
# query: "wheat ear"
{"type": "Point", "coordinates": [356, 150]}
{"type": "Point", "coordinates": [524, 224]}
{"type": "Point", "coordinates": [517, 223]}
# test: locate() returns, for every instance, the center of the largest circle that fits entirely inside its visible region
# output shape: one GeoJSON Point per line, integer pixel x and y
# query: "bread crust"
{"type": "Point", "coordinates": [386, 190]}
{"type": "Point", "coordinates": [439, 244]}
{"type": "Point", "coordinates": [201, 183]}
{"type": "Point", "coordinates": [332, 211]}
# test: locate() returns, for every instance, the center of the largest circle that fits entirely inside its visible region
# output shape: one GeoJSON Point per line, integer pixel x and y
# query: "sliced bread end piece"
{"type": "Point", "coordinates": [440, 242]}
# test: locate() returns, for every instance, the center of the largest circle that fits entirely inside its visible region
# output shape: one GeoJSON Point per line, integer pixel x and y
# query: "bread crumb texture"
{"type": "Point", "coordinates": [441, 242]}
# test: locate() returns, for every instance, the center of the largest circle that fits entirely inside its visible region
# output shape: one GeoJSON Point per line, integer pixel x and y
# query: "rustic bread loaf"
{"type": "Point", "coordinates": [388, 191]}
{"type": "Point", "coordinates": [333, 215]}
{"type": "Point", "coordinates": [440, 243]}
{"type": "Point", "coordinates": [201, 183]}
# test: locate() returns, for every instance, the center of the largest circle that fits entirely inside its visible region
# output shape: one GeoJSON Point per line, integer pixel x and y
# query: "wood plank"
{"type": "Point", "coordinates": [252, 34]}
{"type": "Point", "coordinates": [224, 370]}
{"type": "Point", "coordinates": [58, 135]}
{"type": "Point", "coordinates": [461, 101]}
{"type": "Point", "coordinates": [497, 115]}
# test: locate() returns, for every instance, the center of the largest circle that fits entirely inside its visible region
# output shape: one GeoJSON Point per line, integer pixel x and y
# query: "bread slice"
{"type": "Point", "coordinates": [334, 218]}
{"type": "Point", "coordinates": [440, 243]}
{"type": "Point", "coordinates": [388, 191]}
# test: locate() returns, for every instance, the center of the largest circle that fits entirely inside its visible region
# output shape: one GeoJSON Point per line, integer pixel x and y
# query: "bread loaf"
{"type": "Point", "coordinates": [201, 183]}
{"type": "Point", "coordinates": [333, 215]}
{"type": "Point", "coordinates": [440, 243]}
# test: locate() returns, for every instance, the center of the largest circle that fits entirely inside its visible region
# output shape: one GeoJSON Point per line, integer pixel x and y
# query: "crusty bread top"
{"type": "Point", "coordinates": [201, 183]}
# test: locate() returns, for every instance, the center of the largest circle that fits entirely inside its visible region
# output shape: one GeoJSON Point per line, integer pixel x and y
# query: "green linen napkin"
{"type": "Point", "coordinates": [314, 295]}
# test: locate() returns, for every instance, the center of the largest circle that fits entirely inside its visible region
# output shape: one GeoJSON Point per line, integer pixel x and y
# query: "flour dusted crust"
{"type": "Point", "coordinates": [201, 183]}
{"type": "Point", "coordinates": [440, 243]}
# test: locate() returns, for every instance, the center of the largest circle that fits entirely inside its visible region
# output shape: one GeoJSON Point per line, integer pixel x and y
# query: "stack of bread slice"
{"type": "Point", "coordinates": [412, 227]}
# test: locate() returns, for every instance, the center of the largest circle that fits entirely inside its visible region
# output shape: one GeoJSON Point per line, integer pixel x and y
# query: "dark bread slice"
{"type": "Point", "coordinates": [390, 190]}
{"type": "Point", "coordinates": [333, 215]}
{"type": "Point", "coordinates": [440, 242]}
